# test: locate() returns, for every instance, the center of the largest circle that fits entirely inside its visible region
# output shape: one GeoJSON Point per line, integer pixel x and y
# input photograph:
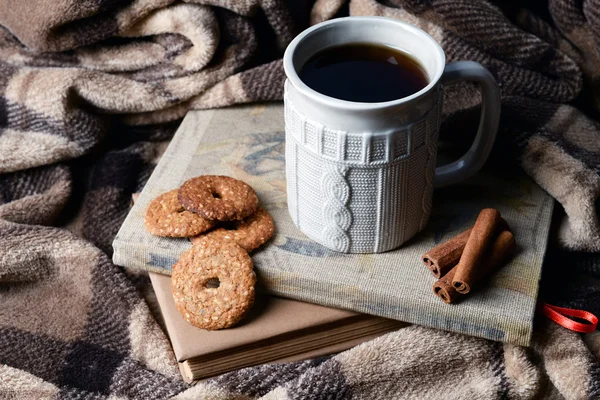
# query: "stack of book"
{"type": "Point", "coordinates": [276, 330]}
{"type": "Point", "coordinates": [247, 143]}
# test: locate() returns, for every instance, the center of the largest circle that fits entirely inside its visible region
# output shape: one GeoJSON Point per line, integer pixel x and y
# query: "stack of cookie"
{"type": "Point", "coordinates": [213, 282]}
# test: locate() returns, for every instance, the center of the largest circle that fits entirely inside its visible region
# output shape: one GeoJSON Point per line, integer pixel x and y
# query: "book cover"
{"type": "Point", "coordinates": [275, 330]}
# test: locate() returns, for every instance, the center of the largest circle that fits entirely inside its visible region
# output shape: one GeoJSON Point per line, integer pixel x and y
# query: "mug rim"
{"type": "Point", "coordinates": [292, 74]}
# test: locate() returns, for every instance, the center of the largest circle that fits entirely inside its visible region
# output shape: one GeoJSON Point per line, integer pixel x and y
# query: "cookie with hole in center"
{"type": "Point", "coordinates": [250, 232]}
{"type": "Point", "coordinates": [166, 217]}
{"type": "Point", "coordinates": [216, 197]}
{"type": "Point", "coordinates": [213, 284]}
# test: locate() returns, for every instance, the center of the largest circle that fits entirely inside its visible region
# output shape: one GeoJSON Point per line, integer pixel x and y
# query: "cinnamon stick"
{"type": "Point", "coordinates": [480, 239]}
{"type": "Point", "coordinates": [502, 247]}
{"type": "Point", "coordinates": [443, 288]}
{"type": "Point", "coordinates": [443, 257]}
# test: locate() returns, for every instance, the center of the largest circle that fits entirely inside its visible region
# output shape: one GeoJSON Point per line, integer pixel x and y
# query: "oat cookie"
{"type": "Point", "coordinates": [218, 197]}
{"type": "Point", "coordinates": [166, 217]}
{"type": "Point", "coordinates": [250, 232]}
{"type": "Point", "coordinates": [195, 291]}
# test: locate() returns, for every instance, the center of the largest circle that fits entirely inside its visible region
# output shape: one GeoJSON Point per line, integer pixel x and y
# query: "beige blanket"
{"type": "Point", "coordinates": [90, 91]}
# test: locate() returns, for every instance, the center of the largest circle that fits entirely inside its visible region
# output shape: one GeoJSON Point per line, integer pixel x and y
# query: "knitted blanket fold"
{"type": "Point", "coordinates": [91, 92]}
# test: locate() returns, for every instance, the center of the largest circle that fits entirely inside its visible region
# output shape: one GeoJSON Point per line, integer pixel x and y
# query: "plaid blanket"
{"type": "Point", "coordinates": [91, 91]}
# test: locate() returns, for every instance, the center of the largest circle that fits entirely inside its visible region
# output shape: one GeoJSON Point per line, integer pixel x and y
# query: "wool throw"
{"type": "Point", "coordinates": [91, 92]}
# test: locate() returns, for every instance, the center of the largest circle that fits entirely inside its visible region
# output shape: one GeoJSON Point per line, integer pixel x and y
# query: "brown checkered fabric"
{"type": "Point", "coordinates": [91, 91]}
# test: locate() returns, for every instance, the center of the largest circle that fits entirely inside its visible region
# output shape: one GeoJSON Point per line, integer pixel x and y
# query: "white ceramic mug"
{"type": "Point", "coordinates": [360, 176]}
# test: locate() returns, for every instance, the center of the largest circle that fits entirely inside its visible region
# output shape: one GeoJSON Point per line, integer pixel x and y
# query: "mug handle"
{"type": "Point", "coordinates": [476, 156]}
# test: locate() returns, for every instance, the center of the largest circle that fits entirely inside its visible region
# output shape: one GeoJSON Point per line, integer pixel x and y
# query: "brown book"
{"type": "Point", "coordinates": [276, 330]}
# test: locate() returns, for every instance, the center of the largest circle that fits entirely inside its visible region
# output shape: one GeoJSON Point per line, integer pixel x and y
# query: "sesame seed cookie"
{"type": "Point", "coordinates": [218, 197]}
{"type": "Point", "coordinates": [166, 217]}
{"type": "Point", "coordinates": [213, 284]}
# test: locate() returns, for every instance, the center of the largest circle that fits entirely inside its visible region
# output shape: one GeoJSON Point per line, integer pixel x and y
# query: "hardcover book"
{"type": "Point", "coordinates": [276, 330]}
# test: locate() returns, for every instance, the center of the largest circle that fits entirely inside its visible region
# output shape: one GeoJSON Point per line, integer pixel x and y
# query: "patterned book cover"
{"type": "Point", "coordinates": [248, 143]}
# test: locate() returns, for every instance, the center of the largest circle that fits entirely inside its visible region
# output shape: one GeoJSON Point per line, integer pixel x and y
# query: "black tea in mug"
{"type": "Point", "coordinates": [362, 72]}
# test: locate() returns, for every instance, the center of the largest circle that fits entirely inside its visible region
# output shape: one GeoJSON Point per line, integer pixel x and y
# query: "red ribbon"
{"type": "Point", "coordinates": [561, 315]}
